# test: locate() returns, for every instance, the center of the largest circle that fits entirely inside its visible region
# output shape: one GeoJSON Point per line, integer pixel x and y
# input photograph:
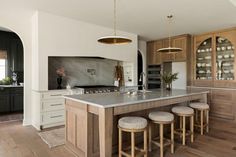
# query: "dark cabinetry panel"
{"type": "Point", "coordinates": [4, 103]}
{"type": "Point", "coordinates": [11, 99]}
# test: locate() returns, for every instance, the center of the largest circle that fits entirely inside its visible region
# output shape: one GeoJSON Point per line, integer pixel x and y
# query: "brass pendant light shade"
{"type": "Point", "coordinates": [169, 49]}
{"type": "Point", "coordinates": [114, 39]}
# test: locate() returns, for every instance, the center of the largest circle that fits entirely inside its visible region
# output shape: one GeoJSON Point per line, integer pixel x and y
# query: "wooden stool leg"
{"type": "Point", "coordinates": [150, 137]}
{"type": "Point", "coordinates": [145, 142]}
{"type": "Point", "coordinates": [161, 141]}
{"type": "Point", "coordinates": [172, 137]}
{"type": "Point", "coordinates": [120, 142]}
{"type": "Point", "coordinates": [192, 128]}
{"type": "Point", "coordinates": [202, 122]}
{"type": "Point", "coordinates": [132, 144]}
{"type": "Point", "coordinates": [196, 116]}
{"type": "Point", "coordinates": [180, 122]}
{"type": "Point", "coordinates": [184, 130]}
{"type": "Point", "coordinates": [207, 121]}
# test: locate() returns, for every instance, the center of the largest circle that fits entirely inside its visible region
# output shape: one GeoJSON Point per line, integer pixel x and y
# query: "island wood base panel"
{"type": "Point", "coordinates": [86, 124]}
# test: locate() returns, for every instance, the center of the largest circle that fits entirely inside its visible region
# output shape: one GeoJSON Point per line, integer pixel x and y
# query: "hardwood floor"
{"type": "Point", "coordinates": [11, 117]}
{"type": "Point", "coordinates": [19, 141]}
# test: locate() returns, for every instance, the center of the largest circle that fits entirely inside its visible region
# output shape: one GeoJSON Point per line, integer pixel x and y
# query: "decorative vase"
{"type": "Point", "coordinates": [168, 86]}
{"type": "Point", "coordinates": [59, 82]}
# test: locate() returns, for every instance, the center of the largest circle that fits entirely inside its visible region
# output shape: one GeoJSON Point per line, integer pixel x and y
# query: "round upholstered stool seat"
{"type": "Point", "coordinates": [182, 110]}
{"type": "Point", "coordinates": [199, 106]}
{"type": "Point", "coordinates": [160, 116]}
{"type": "Point", "coordinates": [132, 123]}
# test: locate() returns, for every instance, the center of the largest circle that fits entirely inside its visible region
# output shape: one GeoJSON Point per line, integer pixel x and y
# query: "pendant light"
{"type": "Point", "coordinates": [114, 39]}
{"type": "Point", "coordinates": [169, 49]}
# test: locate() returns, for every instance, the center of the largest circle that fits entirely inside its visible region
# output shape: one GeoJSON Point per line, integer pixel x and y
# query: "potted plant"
{"type": "Point", "coordinates": [168, 78]}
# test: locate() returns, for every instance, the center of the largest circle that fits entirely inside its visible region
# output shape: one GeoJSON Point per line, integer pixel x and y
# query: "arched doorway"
{"type": "Point", "coordinates": [11, 76]}
{"type": "Point", "coordinates": [140, 69]}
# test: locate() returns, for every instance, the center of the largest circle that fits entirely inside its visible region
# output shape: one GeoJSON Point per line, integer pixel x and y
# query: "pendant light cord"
{"type": "Point", "coordinates": [169, 27]}
{"type": "Point", "coordinates": [115, 17]}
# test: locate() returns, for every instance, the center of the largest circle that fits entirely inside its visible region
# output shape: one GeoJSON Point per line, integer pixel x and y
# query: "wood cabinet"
{"type": "Point", "coordinates": [214, 61]}
{"type": "Point", "coordinates": [154, 57]}
{"type": "Point", "coordinates": [11, 99]}
{"type": "Point", "coordinates": [4, 100]}
{"type": "Point", "coordinates": [181, 42]}
{"type": "Point", "coordinates": [222, 102]}
{"type": "Point", "coordinates": [17, 100]}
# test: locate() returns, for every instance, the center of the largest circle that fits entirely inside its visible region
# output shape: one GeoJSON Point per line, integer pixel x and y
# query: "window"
{"type": "Point", "coordinates": [3, 60]}
{"type": "Point", "coordinates": [2, 68]}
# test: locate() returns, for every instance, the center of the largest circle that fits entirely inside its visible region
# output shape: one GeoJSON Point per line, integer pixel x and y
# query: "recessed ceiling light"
{"type": "Point", "coordinates": [233, 2]}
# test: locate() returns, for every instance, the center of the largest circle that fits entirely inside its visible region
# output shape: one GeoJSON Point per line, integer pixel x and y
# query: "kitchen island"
{"type": "Point", "coordinates": [91, 120]}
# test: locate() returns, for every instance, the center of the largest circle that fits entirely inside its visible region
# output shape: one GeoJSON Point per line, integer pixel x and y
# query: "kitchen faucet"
{"type": "Point", "coordinates": [141, 79]}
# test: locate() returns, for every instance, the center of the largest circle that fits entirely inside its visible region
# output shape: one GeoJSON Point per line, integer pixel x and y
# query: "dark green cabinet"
{"type": "Point", "coordinates": [11, 99]}
{"type": "Point", "coordinates": [16, 102]}
{"type": "Point", "coordinates": [5, 103]}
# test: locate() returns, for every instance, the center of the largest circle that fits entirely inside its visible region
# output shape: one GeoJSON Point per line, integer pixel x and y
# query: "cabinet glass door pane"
{"type": "Point", "coordinates": [224, 59]}
{"type": "Point", "coordinates": [204, 60]}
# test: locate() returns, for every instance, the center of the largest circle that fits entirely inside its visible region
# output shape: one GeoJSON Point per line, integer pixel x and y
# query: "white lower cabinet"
{"type": "Point", "coordinates": [52, 117]}
{"type": "Point", "coordinates": [48, 108]}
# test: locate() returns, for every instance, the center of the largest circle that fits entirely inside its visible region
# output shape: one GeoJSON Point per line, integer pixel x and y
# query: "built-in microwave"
{"type": "Point", "coordinates": [154, 76]}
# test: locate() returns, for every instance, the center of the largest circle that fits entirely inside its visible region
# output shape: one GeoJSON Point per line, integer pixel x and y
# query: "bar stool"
{"type": "Point", "coordinates": [184, 112]}
{"type": "Point", "coordinates": [203, 108]}
{"type": "Point", "coordinates": [161, 118]}
{"type": "Point", "coordinates": [133, 125]}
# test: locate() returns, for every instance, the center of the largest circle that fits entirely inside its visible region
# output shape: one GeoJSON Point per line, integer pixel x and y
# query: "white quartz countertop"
{"type": "Point", "coordinates": [115, 99]}
{"type": "Point", "coordinates": [10, 86]}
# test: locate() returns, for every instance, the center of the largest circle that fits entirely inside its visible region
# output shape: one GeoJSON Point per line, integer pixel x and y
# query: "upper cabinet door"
{"type": "Point", "coordinates": [224, 59]}
{"type": "Point", "coordinates": [180, 42]}
{"type": "Point", "coordinates": [167, 57]}
{"type": "Point", "coordinates": [150, 53]}
{"type": "Point", "coordinates": [158, 45]}
{"type": "Point", "coordinates": [153, 57]}
{"type": "Point", "coordinates": [203, 59]}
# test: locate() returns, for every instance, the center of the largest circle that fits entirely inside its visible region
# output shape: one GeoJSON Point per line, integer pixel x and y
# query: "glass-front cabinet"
{"type": "Point", "coordinates": [204, 60]}
{"type": "Point", "coordinates": [224, 59]}
{"type": "Point", "coordinates": [214, 59]}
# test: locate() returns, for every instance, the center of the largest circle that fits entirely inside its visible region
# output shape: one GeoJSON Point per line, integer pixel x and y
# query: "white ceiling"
{"type": "Point", "coordinates": [147, 18]}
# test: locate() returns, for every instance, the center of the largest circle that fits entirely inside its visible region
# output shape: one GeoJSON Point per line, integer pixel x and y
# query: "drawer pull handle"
{"type": "Point", "coordinates": [56, 116]}
{"type": "Point", "coordinates": [56, 94]}
{"type": "Point", "coordinates": [56, 104]}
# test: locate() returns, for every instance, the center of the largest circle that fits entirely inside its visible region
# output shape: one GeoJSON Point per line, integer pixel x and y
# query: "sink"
{"type": "Point", "coordinates": [144, 91]}
{"type": "Point", "coordinates": [138, 92]}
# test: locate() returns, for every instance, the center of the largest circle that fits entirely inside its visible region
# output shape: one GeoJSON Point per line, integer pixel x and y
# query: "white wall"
{"type": "Point", "coordinates": [60, 36]}
{"type": "Point", "coordinates": [19, 21]}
